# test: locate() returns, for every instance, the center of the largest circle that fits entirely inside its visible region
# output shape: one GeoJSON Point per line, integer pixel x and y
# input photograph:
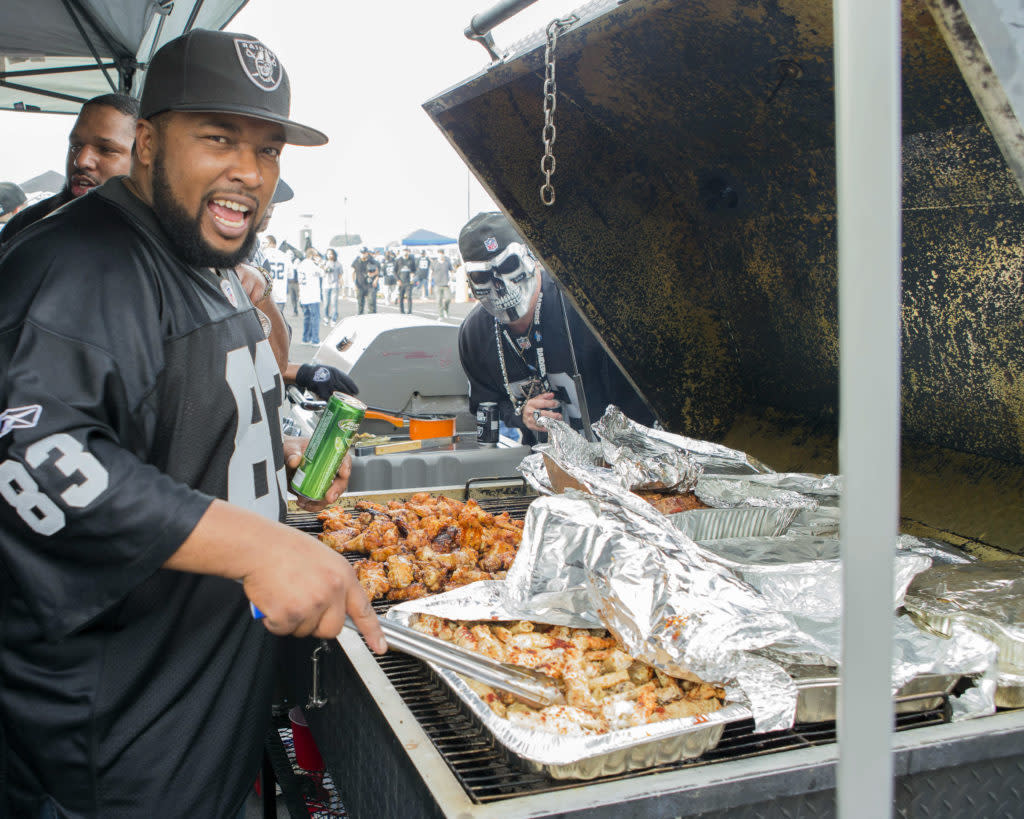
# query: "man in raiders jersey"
{"type": "Point", "coordinates": [513, 345]}
{"type": "Point", "coordinates": [142, 470]}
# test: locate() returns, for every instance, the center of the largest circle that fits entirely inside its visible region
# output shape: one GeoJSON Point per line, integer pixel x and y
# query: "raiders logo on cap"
{"type": "Point", "coordinates": [260, 63]}
{"type": "Point", "coordinates": [490, 244]}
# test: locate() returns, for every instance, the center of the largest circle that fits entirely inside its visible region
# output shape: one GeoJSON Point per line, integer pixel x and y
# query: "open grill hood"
{"type": "Point", "coordinates": [695, 227]}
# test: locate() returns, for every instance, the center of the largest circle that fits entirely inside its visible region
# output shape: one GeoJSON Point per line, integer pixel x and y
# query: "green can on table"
{"type": "Point", "coordinates": [331, 439]}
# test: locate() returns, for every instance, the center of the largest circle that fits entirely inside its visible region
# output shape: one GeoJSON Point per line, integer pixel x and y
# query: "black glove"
{"type": "Point", "coordinates": [323, 380]}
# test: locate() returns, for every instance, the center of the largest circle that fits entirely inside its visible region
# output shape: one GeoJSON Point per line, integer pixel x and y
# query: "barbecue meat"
{"type": "Point", "coordinates": [424, 546]}
{"type": "Point", "coordinates": [670, 504]}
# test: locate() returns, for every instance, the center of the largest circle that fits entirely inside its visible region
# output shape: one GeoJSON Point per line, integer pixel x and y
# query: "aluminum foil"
{"type": "Point", "coordinates": [642, 462]}
{"type": "Point", "coordinates": [558, 755]}
{"type": "Point", "coordinates": [536, 473]}
{"type": "Point", "coordinates": [915, 653]}
{"type": "Point", "coordinates": [986, 597]}
{"type": "Point", "coordinates": [614, 426]}
{"type": "Point", "coordinates": [724, 493]}
{"type": "Point", "coordinates": [800, 574]}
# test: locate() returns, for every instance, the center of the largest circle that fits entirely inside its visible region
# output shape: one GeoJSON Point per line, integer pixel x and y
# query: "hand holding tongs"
{"type": "Point", "coordinates": [532, 687]}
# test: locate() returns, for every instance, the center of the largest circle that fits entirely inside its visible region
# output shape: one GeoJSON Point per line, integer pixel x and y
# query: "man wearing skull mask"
{"type": "Point", "coordinates": [513, 345]}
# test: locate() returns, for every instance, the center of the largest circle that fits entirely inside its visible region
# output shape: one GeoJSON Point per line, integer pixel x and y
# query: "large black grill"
{"type": "Point", "coordinates": [484, 769]}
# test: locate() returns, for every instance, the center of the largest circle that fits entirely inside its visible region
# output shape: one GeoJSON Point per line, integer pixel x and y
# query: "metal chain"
{"type": "Point", "coordinates": [548, 133]}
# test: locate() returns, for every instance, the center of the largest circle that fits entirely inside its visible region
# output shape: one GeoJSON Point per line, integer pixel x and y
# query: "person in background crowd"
{"type": "Point", "coordinates": [99, 147]}
{"type": "Point", "coordinates": [442, 271]}
{"type": "Point", "coordinates": [293, 286]}
{"type": "Point", "coordinates": [390, 275]}
{"type": "Point", "coordinates": [372, 283]}
{"type": "Point", "coordinates": [332, 285]}
{"type": "Point", "coordinates": [359, 266]}
{"type": "Point", "coordinates": [279, 265]}
{"type": "Point", "coordinates": [12, 199]}
{"type": "Point", "coordinates": [310, 274]}
{"type": "Point", "coordinates": [513, 345]}
{"type": "Point", "coordinates": [423, 273]}
{"type": "Point", "coordinates": [147, 469]}
{"type": "Point", "coordinates": [406, 266]}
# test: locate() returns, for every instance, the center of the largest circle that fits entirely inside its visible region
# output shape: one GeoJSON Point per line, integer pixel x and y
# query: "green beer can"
{"type": "Point", "coordinates": [331, 439]}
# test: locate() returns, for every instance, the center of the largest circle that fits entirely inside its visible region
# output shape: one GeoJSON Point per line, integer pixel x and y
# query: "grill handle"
{"type": "Point", "coordinates": [477, 482]}
{"type": "Point", "coordinates": [530, 686]}
{"type": "Point", "coordinates": [315, 700]}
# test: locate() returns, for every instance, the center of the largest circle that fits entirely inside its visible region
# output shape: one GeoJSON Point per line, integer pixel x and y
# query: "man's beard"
{"type": "Point", "coordinates": [184, 230]}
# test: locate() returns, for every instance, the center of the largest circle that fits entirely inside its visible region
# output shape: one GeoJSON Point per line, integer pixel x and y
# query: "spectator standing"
{"type": "Point", "coordinates": [390, 275]}
{"type": "Point", "coordinates": [309, 275]}
{"type": "Point", "coordinates": [423, 273]}
{"type": "Point", "coordinates": [406, 273]}
{"type": "Point", "coordinates": [359, 278]}
{"type": "Point", "coordinates": [442, 269]}
{"type": "Point", "coordinates": [372, 283]}
{"type": "Point", "coordinates": [332, 285]}
{"type": "Point", "coordinates": [279, 265]}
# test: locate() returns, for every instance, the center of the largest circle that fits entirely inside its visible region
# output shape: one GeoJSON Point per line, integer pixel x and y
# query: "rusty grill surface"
{"type": "Point", "coordinates": [484, 769]}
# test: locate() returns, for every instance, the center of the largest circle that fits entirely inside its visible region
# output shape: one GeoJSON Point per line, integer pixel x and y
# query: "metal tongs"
{"type": "Point", "coordinates": [532, 687]}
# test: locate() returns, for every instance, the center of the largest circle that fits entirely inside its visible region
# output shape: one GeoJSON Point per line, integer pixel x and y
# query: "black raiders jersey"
{"type": "Point", "coordinates": [134, 389]}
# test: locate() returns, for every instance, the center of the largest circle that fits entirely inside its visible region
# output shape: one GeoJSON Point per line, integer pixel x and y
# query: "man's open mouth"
{"type": "Point", "coordinates": [231, 218]}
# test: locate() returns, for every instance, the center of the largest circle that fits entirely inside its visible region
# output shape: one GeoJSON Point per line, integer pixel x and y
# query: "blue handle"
{"type": "Point", "coordinates": [256, 613]}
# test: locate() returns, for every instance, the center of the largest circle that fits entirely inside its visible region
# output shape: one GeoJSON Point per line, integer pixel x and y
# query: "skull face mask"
{"type": "Point", "coordinates": [505, 283]}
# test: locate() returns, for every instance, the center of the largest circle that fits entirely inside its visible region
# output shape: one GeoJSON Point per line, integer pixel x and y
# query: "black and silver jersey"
{"type": "Point", "coordinates": [134, 390]}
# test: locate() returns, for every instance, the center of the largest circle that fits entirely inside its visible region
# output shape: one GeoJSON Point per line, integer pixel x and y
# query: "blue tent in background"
{"type": "Point", "coordinates": [427, 237]}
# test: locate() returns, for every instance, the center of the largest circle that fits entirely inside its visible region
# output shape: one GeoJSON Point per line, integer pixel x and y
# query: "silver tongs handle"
{"type": "Point", "coordinates": [530, 686]}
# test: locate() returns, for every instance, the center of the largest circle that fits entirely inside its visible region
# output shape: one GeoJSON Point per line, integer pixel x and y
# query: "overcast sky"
{"type": "Point", "coordinates": [360, 71]}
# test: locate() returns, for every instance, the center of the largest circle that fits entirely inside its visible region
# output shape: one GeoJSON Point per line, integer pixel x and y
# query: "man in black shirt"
{"type": "Point", "coordinates": [366, 287]}
{"type": "Point", "coordinates": [513, 345]}
{"type": "Point", "coordinates": [406, 265]}
{"type": "Point", "coordinates": [99, 148]}
{"type": "Point", "coordinates": [142, 469]}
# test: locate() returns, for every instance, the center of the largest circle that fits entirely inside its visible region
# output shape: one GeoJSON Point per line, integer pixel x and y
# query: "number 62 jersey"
{"type": "Point", "coordinates": [134, 389]}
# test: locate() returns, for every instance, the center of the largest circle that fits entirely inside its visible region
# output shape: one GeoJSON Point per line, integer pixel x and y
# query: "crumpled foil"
{"type": "Point", "coordinates": [536, 473]}
{"type": "Point", "coordinates": [986, 597]}
{"type": "Point", "coordinates": [724, 493]}
{"type": "Point", "coordinates": [801, 574]}
{"type": "Point", "coordinates": [642, 462]}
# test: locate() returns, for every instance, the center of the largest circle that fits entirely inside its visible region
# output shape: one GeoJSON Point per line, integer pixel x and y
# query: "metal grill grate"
{"type": "Point", "coordinates": [484, 770]}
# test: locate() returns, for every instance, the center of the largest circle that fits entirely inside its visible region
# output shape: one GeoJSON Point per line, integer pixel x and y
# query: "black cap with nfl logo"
{"type": "Point", "coordinates": [485, 235]}
{"type": "Point", "coordinates": [224, 72]}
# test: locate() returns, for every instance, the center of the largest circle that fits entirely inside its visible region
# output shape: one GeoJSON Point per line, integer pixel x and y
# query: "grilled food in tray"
{"type": "Point", "coordinates": [605, 689]}
{"type": "Point", "coordinates": [427, 545]}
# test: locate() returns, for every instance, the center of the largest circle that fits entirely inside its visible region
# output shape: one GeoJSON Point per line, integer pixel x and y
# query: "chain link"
{"type": "Point", "coordinates": [548, 132]}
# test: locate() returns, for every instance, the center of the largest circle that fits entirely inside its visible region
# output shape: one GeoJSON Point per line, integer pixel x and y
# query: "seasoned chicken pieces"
{"type": "Point", "coordinates": [604, 687]}
{"type": "Point", "coordinates": [424, 546]}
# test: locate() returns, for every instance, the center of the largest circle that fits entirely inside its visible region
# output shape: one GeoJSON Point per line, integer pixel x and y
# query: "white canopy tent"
{"type": "Point", "coordinates": [56, 54]}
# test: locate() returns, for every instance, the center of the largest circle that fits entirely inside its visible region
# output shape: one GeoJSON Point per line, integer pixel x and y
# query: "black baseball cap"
{"type": "Point", "coordinates": [485, 236]}
{"type": "Point", "coordinates": [282, 193]}
{"type": "Point", "coordinates": [225, 72]}
{"type": "Point", "coordinates": [11, 197]}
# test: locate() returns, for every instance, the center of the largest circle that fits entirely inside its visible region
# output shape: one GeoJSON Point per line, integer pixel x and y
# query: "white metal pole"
{"type": "Point", "coordinates": [867, 65]}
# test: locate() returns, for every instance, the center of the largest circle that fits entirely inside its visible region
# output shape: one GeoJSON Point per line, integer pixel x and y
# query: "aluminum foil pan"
{"type": "Point", "coordinates": [713, 457]}
{"type": "Point", "coordinates": [986, 597]}
{"type": "Point", "coordinates": [801, 574]}
{"type": "Point", "coordinates": [1009, 691]}
{"type": "Point", "coordinates": [818, 689]}
{"type": "Point", "coordinates": [585, 756]}
{"type": "Point", "coordinates": [712, 524]}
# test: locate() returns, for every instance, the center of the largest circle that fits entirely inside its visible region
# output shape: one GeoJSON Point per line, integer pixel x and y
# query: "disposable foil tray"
{"type": "Point", "coordinates": [818, 688]}
{"type": "Point", "coordinates": [714, 524]}
{"type": "Point", "coordinates": [1009, 695]}
{"type": "Point", "coordinates": [591, 756]}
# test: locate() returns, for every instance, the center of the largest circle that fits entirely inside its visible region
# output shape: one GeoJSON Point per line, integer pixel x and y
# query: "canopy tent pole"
{"type": "Point", "coordinates": [73, 12]}
{"type": "Point", "coordinates": [867, 69]}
